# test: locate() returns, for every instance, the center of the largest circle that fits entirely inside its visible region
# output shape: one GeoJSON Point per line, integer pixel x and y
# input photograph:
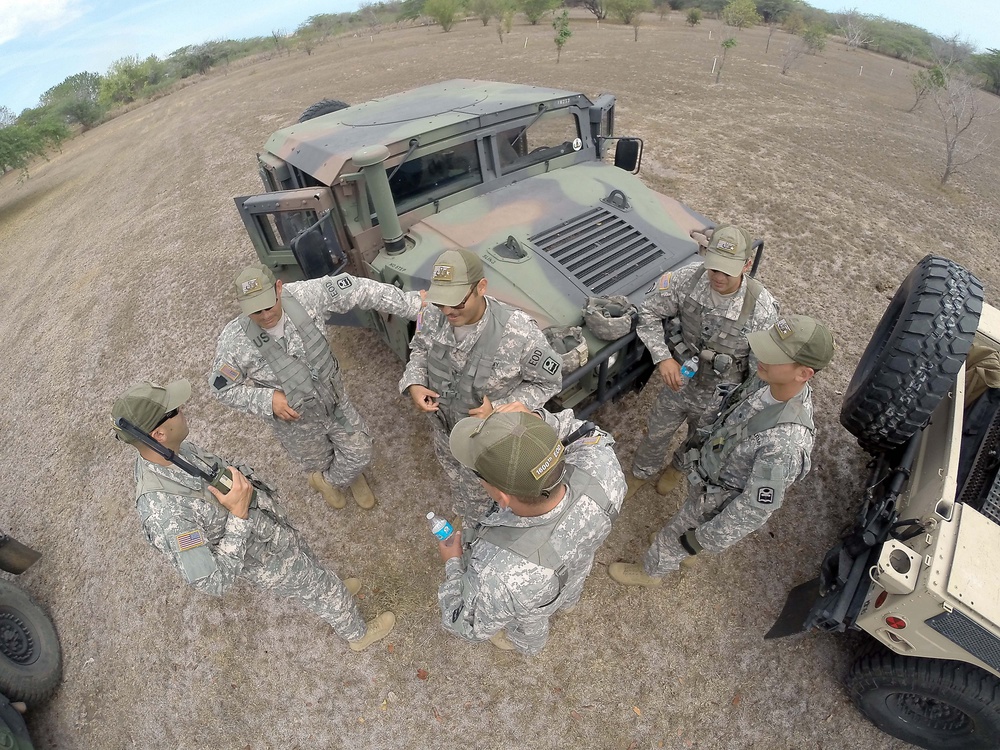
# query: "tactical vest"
{"type": "Point", "coordinates": [532, 542]}
{"type": "Point", "coordinates": [723, 439]}
{"type": "Point", "coordinates": [457, 389]}
{"type": "Point", "coordinates": [312, 381]}
{"type": "Point", "coordinates": [685, 338]}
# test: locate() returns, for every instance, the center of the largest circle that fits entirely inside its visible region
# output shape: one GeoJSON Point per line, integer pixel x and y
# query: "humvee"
{"type": "Point", "coordinates": [518, 174]}
{"type": "Point", "coordinates": [918, 570]}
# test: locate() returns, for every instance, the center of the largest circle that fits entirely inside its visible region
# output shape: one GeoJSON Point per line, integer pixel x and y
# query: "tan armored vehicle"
{"type": "Point", "coordinates": [919, 570]}
{"type": "Point", "coordinates": [521, 175]}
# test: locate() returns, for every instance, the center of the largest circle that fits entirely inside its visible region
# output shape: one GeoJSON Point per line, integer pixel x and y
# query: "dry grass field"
{"type": "Point", "coordinates": [118, 253]}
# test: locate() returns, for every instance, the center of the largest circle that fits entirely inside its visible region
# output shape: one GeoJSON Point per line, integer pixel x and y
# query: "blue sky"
{"type": "Point", "coordinates": [44, 41]}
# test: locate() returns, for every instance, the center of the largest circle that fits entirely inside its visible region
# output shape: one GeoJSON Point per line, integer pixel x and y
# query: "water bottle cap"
{"type": "Point", "coordinates": [694, 359]}
{"type": "Point", "coordinates": [430, 514]}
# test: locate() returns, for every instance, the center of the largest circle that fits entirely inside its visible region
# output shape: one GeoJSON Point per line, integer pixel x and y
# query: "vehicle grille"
{"type": "Point", "coordinates": [984, 471]}
{"type": "Point", "coordinates": [991, 508]}
{"type": "Point", "coordinates": [970, 635]}
{"type": "Point", "coordinates": [599, 248]}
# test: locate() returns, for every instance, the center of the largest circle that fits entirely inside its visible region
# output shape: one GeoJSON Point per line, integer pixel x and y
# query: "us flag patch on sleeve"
{"type": "Point", "coordinates": [229, 372]}
{"type": "Point", "coordinates": [189, 540]}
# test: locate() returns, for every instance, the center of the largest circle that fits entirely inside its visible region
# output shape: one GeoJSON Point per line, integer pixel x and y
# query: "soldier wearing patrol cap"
{"type": "Point", "coordinates": [274, 362]}
{"type": "Point", "coordinates": [557, 486]}
{"type": "Point", "coordinates": [470, 354]}
{"type": "Point", "coordinates": [213, 538]}
{"type": "Point", "coordinates": [758, 444]}
{"type": "Point", "coordinates": [702, 310]}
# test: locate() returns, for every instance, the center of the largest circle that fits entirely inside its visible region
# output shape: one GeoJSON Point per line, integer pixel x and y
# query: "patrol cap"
{"type": "Point", "coordinates": [146, 403]}
{"type": "Point", "coordinates": [455, 271]}
{"type": "Point", "coordinates": [728, 249]}
{"type": "Point", "coordinates": [255, 289]}
{"type": "Point", "coordinates": [794, 338]}
{"type": "Point", "coordinates": [516, 452]}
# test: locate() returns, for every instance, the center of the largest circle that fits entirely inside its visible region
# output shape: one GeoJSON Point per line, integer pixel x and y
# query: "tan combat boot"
{"type": "Point", "coordinates": [377, 629]}
{"type": "Point", "coordinates": [353, 585]}
{"type": "Point", "coordinates": [634, 485]}
{"type": "Point", "coordinates": [334, 497]}
{"type": "Point", "coordinates": [669, 479]}
{"type": "Point", "coordinates": [501, 641]}
{"type": "Point", "coordinates": [631, 574]}
{"type": "Point", "coordinates": [363, 495]}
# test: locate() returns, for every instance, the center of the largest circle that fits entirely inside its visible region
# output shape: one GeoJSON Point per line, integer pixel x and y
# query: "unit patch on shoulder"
{"type": "Point", "coordinates": [550, 365]}
{"type": "Point", "coordinates": [420, 319]}
{"type": "Point", "coordinates": [665, 281]}
{"type": "Point", "coordinates": [765, 495]}
{"type": "Point", "coordinates": [190, 540]}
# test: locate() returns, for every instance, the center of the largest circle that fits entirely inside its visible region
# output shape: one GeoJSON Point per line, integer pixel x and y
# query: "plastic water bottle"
{"type": "Point", "coordinates": [440, 527]}
{"type": "Point", "coordinates": [690, 367]}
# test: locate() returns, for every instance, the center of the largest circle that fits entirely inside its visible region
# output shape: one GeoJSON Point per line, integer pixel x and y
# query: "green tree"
{"type": "Point", "coordinates": [410, 10]}
{"type": "Point", "coordinates": [597, 7]}
{"type": "Point", "coordinates": [924, 82]}
{"type": "Point", "coordinates": [627, 11]}
{"type": "Point", "coordinates": [740, 14]}
{"type": "Point", "coordinates": [20, 142]}
{"type": "Point", "coordinates": [484, 10]}
{"type": "Point", "coordinates": [123, 82]}
{"type": "Point", "coordinates": [773, 12]}
{"type": "Point", "coordinates": [535, 10]}
{"type": "Point", "coordinates": [76, 99]}
{"type": "Point", "coordinates": [443, 12]}
{"type": "Point", "coordinates": [794, 24]}
{"type": "Point", "coordinates": [505, 17]}
{"type": "Point", "coordinates": [988, 63]}
{"type": "Point", "coordinates": [727, 44]}
{"type": "Point", "coordinates": [815, 38]}
{"type": "Point", "coordinates": [693, 17]}
{"type": "Point", "coordinates": [561, 24]}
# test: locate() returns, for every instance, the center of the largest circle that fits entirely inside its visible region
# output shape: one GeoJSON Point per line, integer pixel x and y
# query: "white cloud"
{"type": "Point", "coordinates": [18, 17]}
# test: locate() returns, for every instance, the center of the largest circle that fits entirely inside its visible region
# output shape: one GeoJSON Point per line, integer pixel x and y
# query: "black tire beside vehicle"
{"type": "Point", "coordinates": [322, 107]}
{"type": "Point", "coordinates": [30, 655]}
{"type": "Point", "coordinates": [912, 359]}
{"type": "Point", "coordinates": [936, 704]}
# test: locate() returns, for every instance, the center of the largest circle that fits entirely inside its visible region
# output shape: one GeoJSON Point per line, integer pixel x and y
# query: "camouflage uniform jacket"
{"type": "Point", "coordinates": [208, 545]}
{"type": "Point", "coordinates": [666, 301]}
{"type": "Point", "coordinates": [525, 369]}
{"type": "Point", "coordinates": [252, 382]}
{"type": "Point", "coordinates": [756, 474]}
{"type": "Point", "coordinates": [499, 588]}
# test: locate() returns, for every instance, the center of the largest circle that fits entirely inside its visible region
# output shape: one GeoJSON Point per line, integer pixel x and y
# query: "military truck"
{"type": "Point", "coordinates": [30, 654]}
{"type": "Point", "coordinates": [522, 175]}
{"type": "Point", "coordinates": [918, 569]}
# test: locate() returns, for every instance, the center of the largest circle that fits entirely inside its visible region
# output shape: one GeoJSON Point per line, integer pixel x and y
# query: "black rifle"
{"type": "Point", "coordinates": [219, 477]}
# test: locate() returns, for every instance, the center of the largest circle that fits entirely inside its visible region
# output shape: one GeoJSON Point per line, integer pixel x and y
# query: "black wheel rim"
{"type": "Point", "coordinates": [16, 643]}
{"type": "Point", "coordinates": [930, 714]}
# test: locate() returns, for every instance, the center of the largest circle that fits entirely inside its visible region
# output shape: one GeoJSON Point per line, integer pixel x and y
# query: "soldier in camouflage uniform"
{"type": "Point", "coordinates": [557, 487]}
{"type": "Point", "coordinates": [705, 311]}
{"type": "Point", "coordinates": [470, 354]}
{"type": "Point", "coordinates": [213, 538]}
{"type": "Point", "coordinates": [758, 444]}
{"type": "Point", "coordinates": [274, 362]}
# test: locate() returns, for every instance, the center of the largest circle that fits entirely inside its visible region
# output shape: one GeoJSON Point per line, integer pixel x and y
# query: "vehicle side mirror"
{"type": "Point", "coordinates": [628, 154]}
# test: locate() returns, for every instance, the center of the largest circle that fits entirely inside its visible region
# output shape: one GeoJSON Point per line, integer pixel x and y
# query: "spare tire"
{"type": "Point", "coordinates": [914, 356]}
{"type": "Point", "coordinates": [30, 656]}
{"type": "Point", "coordinates": [322, 107]}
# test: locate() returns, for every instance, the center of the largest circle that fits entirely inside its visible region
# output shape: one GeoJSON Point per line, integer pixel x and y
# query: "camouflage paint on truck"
{"type": "Point", "coordinates": [516, 173]}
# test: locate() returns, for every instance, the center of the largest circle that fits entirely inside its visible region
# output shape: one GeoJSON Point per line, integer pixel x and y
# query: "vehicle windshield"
{"type": "Point", "coordinates": [423, 179]}
{"type": "Point", "coordinates": [553, 134]}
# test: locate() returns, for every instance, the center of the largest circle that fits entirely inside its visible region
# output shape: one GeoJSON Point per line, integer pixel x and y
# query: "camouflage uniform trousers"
{"type": "Point", "coordinates": [320, 442]}
{"type": "Point", "coordinates": [692, 403]}
{"type": "Point", "coordinates": [468, 498]}
{"type": "Point", "coordinates": [285, 566]}
{"type": "Point", "coordinates": [700, 506]}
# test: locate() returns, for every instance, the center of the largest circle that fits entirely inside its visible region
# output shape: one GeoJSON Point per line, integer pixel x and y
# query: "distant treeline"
{"type": "Point", "coordinates": [86, 99]}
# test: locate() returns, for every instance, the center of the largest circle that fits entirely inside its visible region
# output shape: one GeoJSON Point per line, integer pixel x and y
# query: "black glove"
{"type": "Point", "coordinates": [690, 542]}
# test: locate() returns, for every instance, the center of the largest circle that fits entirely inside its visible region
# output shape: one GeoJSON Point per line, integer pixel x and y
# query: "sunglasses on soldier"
{"type": "Point", "coordinates": [166, 417]}
{"type": "Point", "coordinates": [460, 305]}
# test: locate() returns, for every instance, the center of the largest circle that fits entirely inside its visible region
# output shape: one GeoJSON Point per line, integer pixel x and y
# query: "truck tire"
{"type": "Point", "coordinates": [932, 703]}
{"type": "Point", "coordinates": [914, 355]}
{"type": "Point", "coordinates": [30, 656]}
{"type": "Point", "coordinates": [322, 107]}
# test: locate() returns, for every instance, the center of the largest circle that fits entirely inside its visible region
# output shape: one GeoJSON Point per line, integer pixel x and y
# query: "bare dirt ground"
{"type": "Point", "coordinates": [118, 253]}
